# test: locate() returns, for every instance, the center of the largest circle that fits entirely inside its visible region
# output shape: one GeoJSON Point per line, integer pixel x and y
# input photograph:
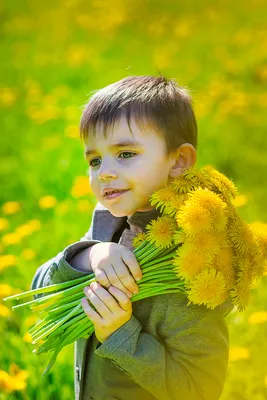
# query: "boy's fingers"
{"type": "Point", "coordinates": [102, 278]}
{"type": "Point", "coordinates": [123, 300]}
{"type": "Point", "coordinates": [92, 314]}
{"type": "Point", "coordinates": [125, 277]}
{"type": "Point", "coordinates": [100, 299]}
{"type": "Point", "coordinates": [115, 281]}
{"type": "Point", "coordinates": [129, 259]}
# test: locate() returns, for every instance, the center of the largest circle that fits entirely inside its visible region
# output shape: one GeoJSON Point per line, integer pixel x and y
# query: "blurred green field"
{"type": "Point", "coordinates": [53, 54]}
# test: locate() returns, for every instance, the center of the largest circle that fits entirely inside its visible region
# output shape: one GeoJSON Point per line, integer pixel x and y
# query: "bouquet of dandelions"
{"type": "Point", "coordinates": [199, 246]}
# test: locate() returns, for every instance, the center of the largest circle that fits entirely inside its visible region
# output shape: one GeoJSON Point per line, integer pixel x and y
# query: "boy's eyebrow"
{"type": "Point", "coordinates": [125, 143]}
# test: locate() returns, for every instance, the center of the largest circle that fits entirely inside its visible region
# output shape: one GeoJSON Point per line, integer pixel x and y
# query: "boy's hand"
{"type": "Point", "coordinates": [114, 264]}
{"type": "Point", "coordinates": [111, 314]}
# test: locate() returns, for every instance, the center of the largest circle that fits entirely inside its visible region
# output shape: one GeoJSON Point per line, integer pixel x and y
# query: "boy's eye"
{"type": "Point", "coordinates": [129, 154]}
{"type": "Point", "coordinates": [125, 154]}
{"type": "Point", "coordinates": [92, 162]}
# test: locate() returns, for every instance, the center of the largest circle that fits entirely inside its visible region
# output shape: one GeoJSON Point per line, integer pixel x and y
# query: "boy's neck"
{"type": "Point", "coordinates": [139, 220]}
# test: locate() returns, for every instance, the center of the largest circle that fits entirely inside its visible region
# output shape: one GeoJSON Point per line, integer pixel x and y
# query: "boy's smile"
{"type": "Point", "coordinates": [133, 164]}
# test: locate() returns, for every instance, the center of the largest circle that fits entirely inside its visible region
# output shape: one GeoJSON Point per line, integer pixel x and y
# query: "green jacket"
{"type": "Point", "coordinates": [168, 350]}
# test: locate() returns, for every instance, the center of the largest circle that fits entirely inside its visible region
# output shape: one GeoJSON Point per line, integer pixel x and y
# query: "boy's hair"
{"type": "Point", "coordinates": [148, 99]}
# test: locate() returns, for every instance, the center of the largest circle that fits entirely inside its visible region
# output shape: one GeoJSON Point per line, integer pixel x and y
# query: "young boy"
{"type": "Point", "coordinates": [139, 133]}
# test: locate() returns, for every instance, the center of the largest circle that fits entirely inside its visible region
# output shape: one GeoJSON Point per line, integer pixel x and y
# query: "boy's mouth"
{"type": "Point", "coordinates": [111, 194]}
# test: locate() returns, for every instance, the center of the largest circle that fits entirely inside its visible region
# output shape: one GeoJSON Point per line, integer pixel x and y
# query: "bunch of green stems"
{"type": "Point", "coordinates": [62, 318]}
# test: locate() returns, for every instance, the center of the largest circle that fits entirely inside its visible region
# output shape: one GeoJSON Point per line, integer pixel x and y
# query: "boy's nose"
{"type": "Point", "coordinates": [106, 173]}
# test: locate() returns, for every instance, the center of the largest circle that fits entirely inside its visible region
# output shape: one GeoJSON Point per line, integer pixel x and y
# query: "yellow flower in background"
{"type": "Point", "coordinates": [14, 380]}
{"type": "Point", "coordinates": [238, 353]}
{"type": "Point", "coordinates": [138, 239]}
{"type": "Point", "coordinates": [11, 207]}
{"type": "Point", "coordinates": [27, 338]}
{"type": "Point", "coordinates": [4, 311]}
{"type": "Point", "coordinates": [258, 317]}
{"type": "Point", "coordinates": [63, 207]}
{"type": "Point", "coordinates": [46, 202]}
{"type": "Point", "coordinates": [35, 225]}
{"type": "Point", "coordinates": [81, 187]}
{"type": "Point", "coordinates": [28, 254]}
{"type": "Point", "coordinates": [7, 261]}
{"type": "Point", "coordinates": [4, 224]}
{"type": "Point", "coordinates": [7, 97]}
{"type": "Point", "coordinates": [160, 231]}
{"type": "Point", "coordinates": [11, 238]}
{"type": "Point", "coordinates": [207, 288]}
{"type": "Point", "coordinates": [240, 200]}
{"type": "Point", "coordinates": [72, 131]}
{"type": "Point", "coordinates": [84, 206]}
{"type": "Point", "coordinates": [6, 290]}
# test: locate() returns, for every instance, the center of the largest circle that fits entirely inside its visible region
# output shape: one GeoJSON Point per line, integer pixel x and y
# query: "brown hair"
{"type": "Point", "coordinates": [149, 99]}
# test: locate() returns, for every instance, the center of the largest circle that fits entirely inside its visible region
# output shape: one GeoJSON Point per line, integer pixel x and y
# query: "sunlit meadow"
{"type": "Point", "coordinates": [53, 54]}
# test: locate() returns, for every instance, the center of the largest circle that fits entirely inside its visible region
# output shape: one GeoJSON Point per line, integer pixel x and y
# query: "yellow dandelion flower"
{"type": "Point", "coordinates": [4, 311]}
{"type": "Point", "coordinates": [11, 207]}
{"type": "Point", "coordinates": [4, 224]}
{"type": "Point", "coordinates": [28, 254]}
{"type": "Point", "coordinates": [207, 199]}
{"type": "Point", "coordinates": [160, 231]}
{"type": "Point", "coordinates": [181, 185]}
{"type": "Point", "coordinates": [240, 235]}
{"type": "Point", "coordinates": [138, 239]}
{"type": "Point", "coordinates": [207, 288]}
{"type": "Point", "coordinates": [259, 231]}
{"type": "Point", "coordinates": [179, 237]}
{"type": "Point", "coordinates": [238, 353]}
{"type": "Point", "coordinates": [240, 295]}
{"type": "Point", "coordinates": [188, 263]}
{"type": "Point", "coordinates": [174, 204]}
{"type": "Point", "coordinates": [193, 219]}
{"type": "Point", "coordinates": [206, 242]}
{"type": "Point", "coordinates": [258, 317]}
{"type": "Point", "coordinates": [225, 185]}
{"type": "Point", "coordinates": [196, 176]}
{"type": "Point", "coordinates": [7, 261]}
{"type": "Point", "coordinates": [161, 197]}
{"type": "Point", "coordinates": [46, 202]}
{"type": "Point", "coordinates": [223, 261]}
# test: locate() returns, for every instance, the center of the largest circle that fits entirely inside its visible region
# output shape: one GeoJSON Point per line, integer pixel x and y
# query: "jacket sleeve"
{"type": "Point", "coordinates": [58, 269]}
{"type": "Point", "coordinates": [188, 357]}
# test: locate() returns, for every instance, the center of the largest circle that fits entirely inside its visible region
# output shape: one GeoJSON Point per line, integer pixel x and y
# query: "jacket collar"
{"type": "Point", "coordinates": [105, 224]}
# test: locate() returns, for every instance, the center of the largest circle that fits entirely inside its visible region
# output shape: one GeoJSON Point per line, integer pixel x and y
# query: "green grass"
{"type": "Point", "coordinates": [53, 54]}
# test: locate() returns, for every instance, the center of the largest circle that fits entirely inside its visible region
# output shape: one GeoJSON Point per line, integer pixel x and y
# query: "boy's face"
{"type": "Point", "coordinates": [139, 170]}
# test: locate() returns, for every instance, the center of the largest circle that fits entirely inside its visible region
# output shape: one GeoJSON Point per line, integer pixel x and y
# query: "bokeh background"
{"type": "Point", "coordinates": [53, 54]}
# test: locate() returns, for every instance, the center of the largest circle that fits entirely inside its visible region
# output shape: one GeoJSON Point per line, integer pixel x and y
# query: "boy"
{"type": "Point", "coordinates": [139, 133]}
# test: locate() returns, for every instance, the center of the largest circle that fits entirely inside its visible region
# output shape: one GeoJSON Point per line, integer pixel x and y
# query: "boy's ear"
{"type": "Point", "coordinates": [184, 157]}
